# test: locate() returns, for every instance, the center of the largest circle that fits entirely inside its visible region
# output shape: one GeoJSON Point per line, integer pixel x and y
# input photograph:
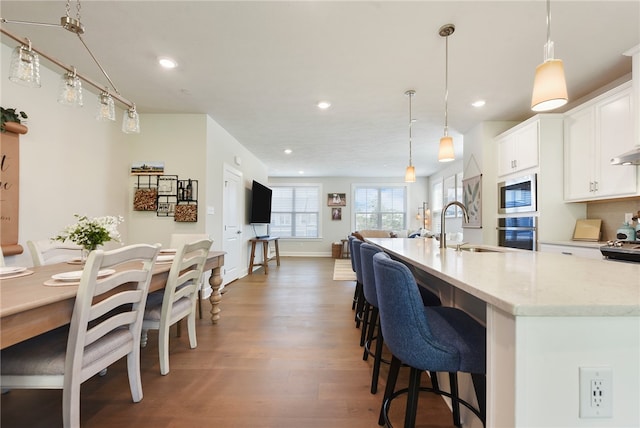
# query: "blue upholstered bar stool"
{"type": "Point", "coordinates": [353, 267]}
{"type": "Point", "coordinates": [367, 251]}
{"type": "Point", "coordinates": [355, 257]}
{"type": "Point", "coordinates": [432, 338]}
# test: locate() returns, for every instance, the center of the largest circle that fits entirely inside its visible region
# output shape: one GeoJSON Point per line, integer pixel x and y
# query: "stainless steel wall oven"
{"type": "Point", "coordinates": [518, 232]}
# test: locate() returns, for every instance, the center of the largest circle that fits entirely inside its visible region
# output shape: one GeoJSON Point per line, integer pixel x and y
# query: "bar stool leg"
{"type": "Point", "coordinates": [453, 382]}
{"type": "Point", "coordinates": [412, 398]}
{"type": "Point", "coordinates": [479, 386]}
{"type": "Point", "coordinates": [394, 369]}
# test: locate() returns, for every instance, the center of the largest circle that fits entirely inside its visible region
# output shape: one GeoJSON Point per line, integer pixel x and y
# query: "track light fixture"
{"type": "Point", "coordinates": [25, 70]}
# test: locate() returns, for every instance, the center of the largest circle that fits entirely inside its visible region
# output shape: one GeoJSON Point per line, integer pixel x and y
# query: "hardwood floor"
{"type": "Point", "coordinates": [285, 354]}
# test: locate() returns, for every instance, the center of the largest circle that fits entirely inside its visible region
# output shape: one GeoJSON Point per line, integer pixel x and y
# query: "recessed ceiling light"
{"type": "Point", "coordinates": [288, 151]}
{"type": "Point", "coordinates": [300, 172]}
{"type": "Point", "coordinates": [167, 62]}
{"type": "Point", "coordinates": [324, 105]}
{"type": "Point", "coordinates": [479, 103]}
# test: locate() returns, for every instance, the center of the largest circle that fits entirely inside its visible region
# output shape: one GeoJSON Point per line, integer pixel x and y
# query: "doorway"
{"type": "Point", "coordinates": [232, 223]}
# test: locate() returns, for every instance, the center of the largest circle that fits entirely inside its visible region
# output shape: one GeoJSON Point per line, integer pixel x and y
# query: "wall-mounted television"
{"type": "Point", "coordinates": [260, 204]}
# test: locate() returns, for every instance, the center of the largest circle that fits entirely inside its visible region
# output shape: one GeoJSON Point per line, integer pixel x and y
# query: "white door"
{"type": "Point", "coordinates": [232, 223]}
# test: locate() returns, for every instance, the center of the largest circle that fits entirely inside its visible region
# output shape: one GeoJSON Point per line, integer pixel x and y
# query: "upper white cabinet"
{"type": "Point", "coordinates": [518, 149]}
{"type": "Point", "coordinates": [595, 132]}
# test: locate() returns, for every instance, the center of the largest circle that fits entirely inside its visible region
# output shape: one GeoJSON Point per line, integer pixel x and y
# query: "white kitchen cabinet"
{"type": "Point", "coordinates": [590, 252]}
{"type": "Point", "coordinates": [595, 132]}
{"type": "Point", "coordinates": [518, 149]}
{"type": "Point", "coordinates": [537, 143]}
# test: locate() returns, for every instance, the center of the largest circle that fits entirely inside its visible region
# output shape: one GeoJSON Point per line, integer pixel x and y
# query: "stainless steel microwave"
{"type": "Point", "coordinates": [517, 195]}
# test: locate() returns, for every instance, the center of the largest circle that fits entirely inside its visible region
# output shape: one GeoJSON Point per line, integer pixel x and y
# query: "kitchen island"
{"type": "Point", "coordinates": [547, 316]}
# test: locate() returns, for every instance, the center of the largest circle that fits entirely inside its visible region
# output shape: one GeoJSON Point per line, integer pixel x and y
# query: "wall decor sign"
{"type": "Point", "coordinates": [472, 199]}
{"type": "Point", "coordinates": [10, 187]}
{"type": "Point", "coordinates": [337, 199]}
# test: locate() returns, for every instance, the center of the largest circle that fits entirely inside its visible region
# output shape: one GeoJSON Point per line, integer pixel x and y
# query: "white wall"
{"type": "Point", "coordinates": [180, 142]}
{"type": "Point", "coordinates": [480, 158]}
{"type": "Point", "coordinates": [223, 149]}
{"type": "Point", "coordinates": [334, 230]}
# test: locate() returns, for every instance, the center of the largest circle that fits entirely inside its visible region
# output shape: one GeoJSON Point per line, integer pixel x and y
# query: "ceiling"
{"type": "Point", "coordinates": [259, 68]}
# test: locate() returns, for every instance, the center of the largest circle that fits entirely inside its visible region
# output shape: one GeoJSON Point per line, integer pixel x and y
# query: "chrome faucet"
{"type": "Point", "coordinates": [443, 234]}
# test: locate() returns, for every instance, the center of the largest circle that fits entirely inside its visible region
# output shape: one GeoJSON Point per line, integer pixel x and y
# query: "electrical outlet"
{"type": "Point", "coordinates": [596, 392]}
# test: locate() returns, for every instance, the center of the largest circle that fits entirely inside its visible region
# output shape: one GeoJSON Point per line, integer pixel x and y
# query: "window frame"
{"type": "Point", "coordinates": [317, 186]}
{"type": "Point", "coordinates": [380, 186]}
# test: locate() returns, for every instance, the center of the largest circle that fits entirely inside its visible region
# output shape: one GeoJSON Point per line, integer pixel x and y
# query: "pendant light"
{"type": "Point", "coordinates": [410, 173]}
{"type": "Point", "coordinates": [131, 121]}
{"type": "Point", "coordinates": [70, 89]}
{"type": "Point", "coordinates": [106, 107]}
{"type": "Point", "coordinates": [549, 85]}
{"type": "Point", "coordinates": [25, 66]}
{"type": "Point", "coordinates": [445, 151]}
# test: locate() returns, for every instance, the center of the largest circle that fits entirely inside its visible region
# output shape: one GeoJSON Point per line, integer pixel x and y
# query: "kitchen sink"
{"type": "Point", "coordinates": [479, 249]}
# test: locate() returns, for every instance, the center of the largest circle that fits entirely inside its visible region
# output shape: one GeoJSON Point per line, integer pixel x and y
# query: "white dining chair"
{"type": "Point", "coordinates": [1, 257]}
{"type": "Point", "coordinates": [178, 240]}
{"type": "Point", "coordinates": [178, 299]}
{"type": "Point", "coordinates": [100, 333]}
{"type": "Point", "coordinates": [47, 252]}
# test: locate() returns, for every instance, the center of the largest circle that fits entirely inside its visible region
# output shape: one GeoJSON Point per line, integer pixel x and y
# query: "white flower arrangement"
{"type": "Point", "coordinates": [89, 233]}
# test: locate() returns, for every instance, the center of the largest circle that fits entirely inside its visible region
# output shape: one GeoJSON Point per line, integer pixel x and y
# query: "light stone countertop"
{"type": "Point", "coordinates": [528, 283]}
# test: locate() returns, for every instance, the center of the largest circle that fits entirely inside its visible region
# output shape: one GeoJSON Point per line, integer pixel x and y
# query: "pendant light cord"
{"type": "Point", "coordinates": [548, 21]}
{"type": "Point", "coordinates": [446, 87]}
{"type": "Point", "coordinates": [410, 123]}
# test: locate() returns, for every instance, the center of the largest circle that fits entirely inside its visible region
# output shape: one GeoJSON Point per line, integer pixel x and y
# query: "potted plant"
{"type": "Point", "coordinates": [9, 115]}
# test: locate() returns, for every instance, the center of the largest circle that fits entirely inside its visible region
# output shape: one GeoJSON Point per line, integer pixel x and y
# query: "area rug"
{"type": "Point", "coordinates": [342, 270]}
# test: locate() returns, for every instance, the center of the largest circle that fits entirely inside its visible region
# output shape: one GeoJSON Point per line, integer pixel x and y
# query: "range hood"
{"type": "Point", "coordinates": [629, 158]}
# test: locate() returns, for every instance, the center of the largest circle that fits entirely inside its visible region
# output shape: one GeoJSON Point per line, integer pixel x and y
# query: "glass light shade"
{"type": "Point", "coordinates": [131, 122]}
{"type": "Point", "coordinates": [70, 90]}
{"type": "Point", "coordinates": [25, 67]}
{"type": "Point", "coordinates": [106, 107]}
{"type": "Point", "coordinates": [549, 86]}
{"type": "Point", "coordinates": [445, 152]}
{"type": "Point", "coordinates": [410, 174]}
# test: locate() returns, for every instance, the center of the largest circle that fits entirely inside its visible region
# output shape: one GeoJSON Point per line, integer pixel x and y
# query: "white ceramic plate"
{"type": "Point", "coordinates": [167, 258]}
{"type": "Point", "coordinates": [77, 274]}
{"type": "Point", "coordinates": [10, 270]}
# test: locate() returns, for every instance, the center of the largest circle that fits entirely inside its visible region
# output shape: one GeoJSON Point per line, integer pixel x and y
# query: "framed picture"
{"type": "Point", "coordinates": [336, 213]}
{"type": "Point", "coordinates": [472, 199]}
{"type": "Point", "coordinates": [147, 168]}
{"type": "Point", "coordinates": [337, 199]}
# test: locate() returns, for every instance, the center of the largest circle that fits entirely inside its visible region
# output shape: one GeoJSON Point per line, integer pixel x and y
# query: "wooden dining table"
{"type": "Point", "coordinates": [29, 308]}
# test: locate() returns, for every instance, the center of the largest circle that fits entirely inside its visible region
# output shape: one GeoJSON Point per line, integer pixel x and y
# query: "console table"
{"type": "Point", "coordinates": [265, 247]}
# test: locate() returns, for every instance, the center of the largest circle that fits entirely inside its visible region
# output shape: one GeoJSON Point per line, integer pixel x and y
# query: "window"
{"type": "Point", "coordinates": [295, 211]}
{"type": "Point", "coordinates": [378, 207]}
